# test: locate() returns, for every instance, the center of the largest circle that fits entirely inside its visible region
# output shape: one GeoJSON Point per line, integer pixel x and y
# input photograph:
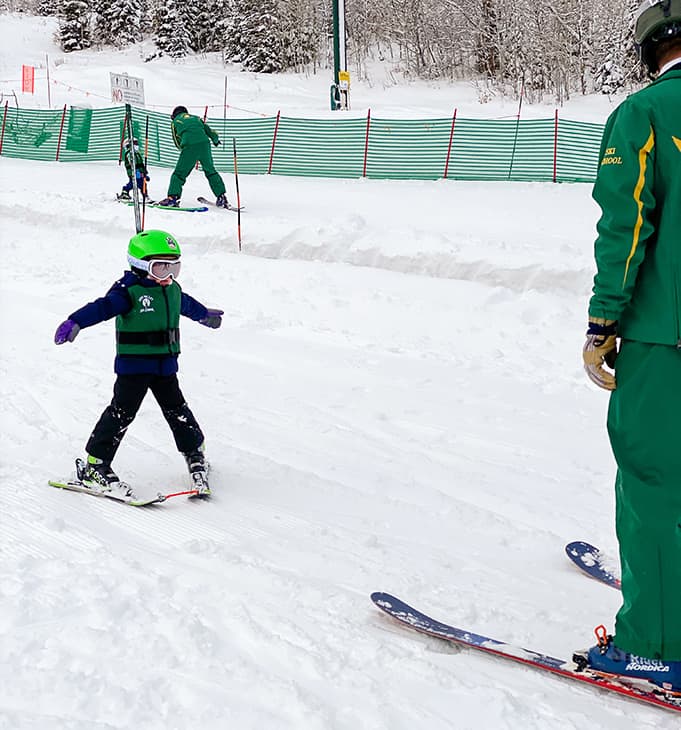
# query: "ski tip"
{"type": "Point", "coordinates": [383, 600]}
{"type": "Point", "coordinates": [579, 547]}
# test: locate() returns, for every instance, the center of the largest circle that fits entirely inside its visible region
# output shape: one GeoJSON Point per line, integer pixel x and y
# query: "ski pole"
{"type": "Point", "coordinates": [238, 197]}
{"type": "Point", "coordinates": [133, 167]}
{"type": "Point", "coordinates": [146, 169]}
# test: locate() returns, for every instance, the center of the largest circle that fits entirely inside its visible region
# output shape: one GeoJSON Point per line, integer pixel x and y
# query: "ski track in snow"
{"type": "Point", "coordinates": [368, 430]}
{"type": "Point", "coordinates": [395, 402]}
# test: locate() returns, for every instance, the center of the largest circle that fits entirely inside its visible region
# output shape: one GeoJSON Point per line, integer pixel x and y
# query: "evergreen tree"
{"type": "Point", "coordinates": [46, 8]}
{"type": "Point", "coordinates": [208, 26]}
{"type": "Point", "coordinates": [256, 35]}
{"type": "Point", "coordinates": [74, 26]}
{"type": "Point", "coordinates": [125, 22]}
{"type": "Point", "coordinates": [171, 28]}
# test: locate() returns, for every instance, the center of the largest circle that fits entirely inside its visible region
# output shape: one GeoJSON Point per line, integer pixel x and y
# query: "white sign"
{"type": "Point", "coordinates": [127, 89]}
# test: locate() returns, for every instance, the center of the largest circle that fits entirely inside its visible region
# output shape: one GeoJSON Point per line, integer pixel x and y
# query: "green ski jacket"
{"type": "Point", "coordinates": [638, 187]}
{"type": "Point", "coordinates": [188, 129]}
{"type": "Point", "coordinates": [139, 163]}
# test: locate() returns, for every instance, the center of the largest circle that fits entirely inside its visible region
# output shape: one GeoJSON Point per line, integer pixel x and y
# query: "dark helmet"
{"type": "Point", "coordinates": [179, 110]}
{"type": "Point", "coordinates": [655, 22]}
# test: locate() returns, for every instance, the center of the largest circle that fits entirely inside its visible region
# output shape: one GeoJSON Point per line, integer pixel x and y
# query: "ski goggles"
{"type": "Point", "coordinates": [163, 268]}
{"type": "Point", "coordinates": [158, 269]}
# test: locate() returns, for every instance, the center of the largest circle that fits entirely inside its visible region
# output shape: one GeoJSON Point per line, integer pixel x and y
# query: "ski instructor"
{"type": "Point", "coordinates": [192, 136]}
{"type": "Point", "coordinates": [637, 300]}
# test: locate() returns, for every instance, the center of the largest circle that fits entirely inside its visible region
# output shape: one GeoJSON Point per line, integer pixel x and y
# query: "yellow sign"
{"type": "Point", "coordinates": [343, 80]}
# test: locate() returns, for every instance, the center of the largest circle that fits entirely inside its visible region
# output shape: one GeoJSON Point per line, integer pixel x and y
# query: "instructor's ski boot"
{"type": "Point", "coordinates": [124, 195]}
{"type": "Point", "coordinates": [97, 475]}
{"type": "Point", "coordinates": [222, 202]}
{"type": "Point", "coordinates": [198, 470]}
{"type": "Point", "coordinates": [606, 658]}
{"type": "Point", "coordinates": [172, 201]}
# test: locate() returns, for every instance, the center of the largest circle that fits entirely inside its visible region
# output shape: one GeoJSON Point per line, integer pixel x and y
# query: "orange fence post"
{"type": "Point", "coordinates": [366, 144]}
{"type": "Point", "coordinates": [205, 116]}
{"type": "Point", "coordinates": [61, 130]}
{"type": "Point", "coordinates": [555, 147]}
{"type": "Point", "coordinates": [4, 119]}
{"type": "Point", "coordinates": [274, 141]}
{"type": "Point", "coordinates": [449, 148]}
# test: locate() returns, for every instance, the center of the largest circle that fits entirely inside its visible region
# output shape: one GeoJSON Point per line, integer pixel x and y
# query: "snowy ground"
{"type": "Point", "coordinates": [394, 402]}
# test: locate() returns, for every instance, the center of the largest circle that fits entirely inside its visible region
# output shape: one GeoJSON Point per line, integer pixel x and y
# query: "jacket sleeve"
{"type": "Point", "coordinates": [192, 308]}
{"type": "Point", "coordinates": [624, 192]}
{"type": "Point", "coordinates": [115, 301]}
{"type": "Point", "coordinates": [176, 137]}
{"type": "Point", "coordinates": [211, 133]}
{"type": "Point", "coordinates": [139, 162]}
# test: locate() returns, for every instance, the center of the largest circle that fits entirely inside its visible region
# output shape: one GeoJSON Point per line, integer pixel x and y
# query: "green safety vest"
{"type": "Point", "coordinates": [151, 327]}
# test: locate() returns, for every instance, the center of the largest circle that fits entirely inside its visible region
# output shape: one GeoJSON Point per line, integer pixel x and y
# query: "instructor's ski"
{"type": "Point", "coordinates": [149, 204]}
{"type": "Point", "coordinates": [636, 689]}
{"type": "Point", "coordinates": [205, 201]}
{"type": "Point", "coordinates": [589, 559]}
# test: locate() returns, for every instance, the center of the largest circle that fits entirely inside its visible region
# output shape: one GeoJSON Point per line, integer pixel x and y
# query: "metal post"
{"type": "Point", "coordinates": [47, 66]}
{"type": "Point", "coordinates": [238, 196]}
{"type": "Point", "coordinates": [340, 62]}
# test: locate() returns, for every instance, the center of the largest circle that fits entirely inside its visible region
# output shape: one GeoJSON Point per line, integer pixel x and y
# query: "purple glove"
{"type": "Point", "coordinates": [67, 331]}
{"type": "Point", "coordinates": [213, 318]}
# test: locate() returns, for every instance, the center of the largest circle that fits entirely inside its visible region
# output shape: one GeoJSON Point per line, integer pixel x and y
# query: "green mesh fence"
{"type": "Point", "coordinates": [463, 149]}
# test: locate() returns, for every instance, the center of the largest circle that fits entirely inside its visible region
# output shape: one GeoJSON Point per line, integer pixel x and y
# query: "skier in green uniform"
{"type": "Point", "coordinates": [637, 300]}
{"type": "Point", "coordinates": [192, 136]}
{"type": "Point", "coordinates": [141, 171]}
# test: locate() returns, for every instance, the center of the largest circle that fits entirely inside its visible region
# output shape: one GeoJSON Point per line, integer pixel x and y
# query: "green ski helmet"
{"type": "Point", "coordinates": [656, 21]}
{"type": "Point", "coordinates": [147, 244]}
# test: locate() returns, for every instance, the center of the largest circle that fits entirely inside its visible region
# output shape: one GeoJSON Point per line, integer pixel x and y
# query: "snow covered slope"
{"type": "Point", "coordinates": [394, 402]}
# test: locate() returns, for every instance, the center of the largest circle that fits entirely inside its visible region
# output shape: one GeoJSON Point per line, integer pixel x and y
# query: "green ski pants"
{"type": "Point", "coordinates": [189, 156]}
{"type": "Point", "coordinates": [644, 425]}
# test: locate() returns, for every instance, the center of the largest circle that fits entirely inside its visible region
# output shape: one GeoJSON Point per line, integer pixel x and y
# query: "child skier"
{"type": "Point", "coordinates": [147, 303]}
{"type": "Point", "coordinates": [140, 170]}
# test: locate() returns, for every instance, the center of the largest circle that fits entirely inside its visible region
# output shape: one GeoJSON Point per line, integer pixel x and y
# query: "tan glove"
{"type": "Point", "coordinates": [600, 349]}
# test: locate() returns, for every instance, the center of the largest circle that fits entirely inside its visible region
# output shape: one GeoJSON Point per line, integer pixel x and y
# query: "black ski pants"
{"type": "Point", "coordinates": [129, 392]}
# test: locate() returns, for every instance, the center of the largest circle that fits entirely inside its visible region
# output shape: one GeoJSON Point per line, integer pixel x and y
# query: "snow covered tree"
{"type": "Point", "coordinates": [207, 25]}
{"type": "Point", "coordinates": [615, 63]}
{"type": "Point", "coordinates": [171, 28]}
{"type": "Point", "coordinates": [46, 8]}
{"type": "Point", "coordinates": [255, 35]}
{"type": "Point", "coordinates": [118, 22]}
{"type": "Point", "coordinates": [74, 26]}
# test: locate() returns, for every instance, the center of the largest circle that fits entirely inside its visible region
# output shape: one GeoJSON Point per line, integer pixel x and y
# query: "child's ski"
{"type": "Point", "coordinates": [636, 689]}
{"type": "Point", "coordinates": [205, 201]}
{"type": "Point", "coordinates": [74, 485]}
{"type": "Point", "coordinates": [590, 560]}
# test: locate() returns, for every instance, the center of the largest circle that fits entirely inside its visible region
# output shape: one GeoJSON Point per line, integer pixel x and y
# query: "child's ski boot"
{"type": "Point", "coordinates": [97, 475]}
{"type": "Point", "coordinates": [198, 471]}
